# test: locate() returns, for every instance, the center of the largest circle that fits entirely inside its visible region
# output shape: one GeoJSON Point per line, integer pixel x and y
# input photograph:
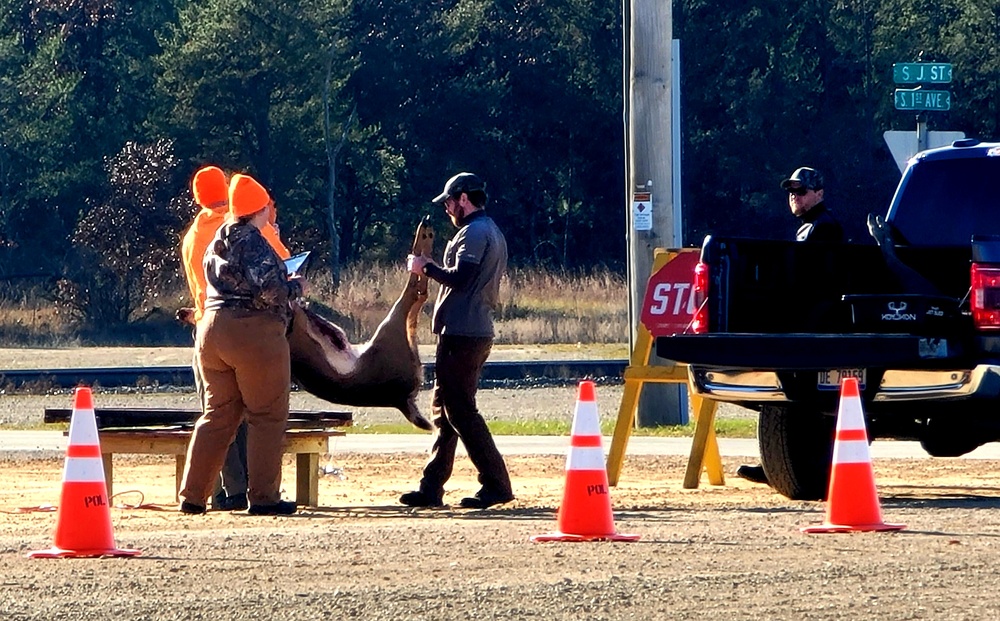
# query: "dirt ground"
{"type": "Point", "coordinates": [732, 552]}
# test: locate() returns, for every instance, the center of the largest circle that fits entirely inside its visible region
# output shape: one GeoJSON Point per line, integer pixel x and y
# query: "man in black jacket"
{"type": "Point", "coordinates": [805, 199]}
{"type": "Point", "coordinates": [817, 224]}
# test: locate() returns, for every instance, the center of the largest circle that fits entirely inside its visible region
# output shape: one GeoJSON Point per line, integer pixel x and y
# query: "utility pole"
{"type": "Point", "coordinates": [649, 184]}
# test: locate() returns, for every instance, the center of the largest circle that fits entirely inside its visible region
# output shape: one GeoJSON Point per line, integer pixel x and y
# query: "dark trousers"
{"type": "Point", "coordinates": [233, 478]}
{"type": "Point", "coordinates": [457, 367]}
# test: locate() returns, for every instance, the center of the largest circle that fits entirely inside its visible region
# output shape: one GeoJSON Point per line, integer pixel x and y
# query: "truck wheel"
{"type": "Point", "coordinates": [796, 449]}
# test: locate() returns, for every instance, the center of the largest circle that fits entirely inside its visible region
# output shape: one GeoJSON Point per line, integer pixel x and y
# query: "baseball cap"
{"type": "Point", "coordinates": [809, 178]}
{"type": "Point", "coordinates": [462, 182]}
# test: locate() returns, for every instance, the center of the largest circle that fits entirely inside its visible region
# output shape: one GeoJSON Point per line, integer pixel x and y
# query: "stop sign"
{"type": "Point", "coordinates": [668, 305]}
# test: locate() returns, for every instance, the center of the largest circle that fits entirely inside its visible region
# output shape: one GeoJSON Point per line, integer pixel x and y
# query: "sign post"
{"type": "Point", "coordinates": [919, 100]}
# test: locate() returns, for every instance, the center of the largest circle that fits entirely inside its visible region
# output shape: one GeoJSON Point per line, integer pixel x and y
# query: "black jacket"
{"type": "Point", "coordinates": [818, 224]}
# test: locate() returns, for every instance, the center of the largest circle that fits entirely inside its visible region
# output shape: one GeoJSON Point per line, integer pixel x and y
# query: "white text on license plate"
{"type": "Point", "coordinates": [830, 380]}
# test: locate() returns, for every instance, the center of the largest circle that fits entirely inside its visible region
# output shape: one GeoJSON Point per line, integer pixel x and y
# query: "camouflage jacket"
{"type": "Point", "coordinates": [244, 272]}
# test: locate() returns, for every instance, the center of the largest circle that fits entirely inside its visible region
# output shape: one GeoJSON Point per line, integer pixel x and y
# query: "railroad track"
{"type": "Point", "coordinates": [495, 374]}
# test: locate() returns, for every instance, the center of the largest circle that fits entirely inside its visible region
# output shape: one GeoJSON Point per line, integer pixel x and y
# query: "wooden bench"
{"type": "Point", "coordinates": [168, 432]}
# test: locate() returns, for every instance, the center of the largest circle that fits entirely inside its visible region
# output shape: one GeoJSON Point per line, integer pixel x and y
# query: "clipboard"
{"type": "Point", "coordinates": [296, 265]}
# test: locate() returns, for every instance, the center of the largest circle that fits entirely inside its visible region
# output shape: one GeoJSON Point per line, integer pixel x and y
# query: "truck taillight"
{"type": "Point", "coordinates": [699, 294]}
{"type": "Point", "coordinates": [985, 300]}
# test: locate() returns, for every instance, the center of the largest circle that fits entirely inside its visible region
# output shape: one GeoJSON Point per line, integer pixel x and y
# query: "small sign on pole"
{"type": "Point", "coordinates": [642, 211]}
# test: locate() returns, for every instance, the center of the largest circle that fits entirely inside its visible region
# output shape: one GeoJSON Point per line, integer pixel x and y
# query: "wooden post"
{"type": "Point", "coordinates": [649, 170]}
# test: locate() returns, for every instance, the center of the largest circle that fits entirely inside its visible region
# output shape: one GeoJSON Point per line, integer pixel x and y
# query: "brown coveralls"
{"type": "Point", "coordinates": [243, 357]}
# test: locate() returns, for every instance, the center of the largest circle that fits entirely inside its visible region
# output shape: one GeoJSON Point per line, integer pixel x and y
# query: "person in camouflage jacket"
{"type": "Point", "coordinates": [243, 355]}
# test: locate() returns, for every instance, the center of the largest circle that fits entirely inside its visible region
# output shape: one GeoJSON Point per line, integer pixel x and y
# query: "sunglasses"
{"type": "Point", "coordinates": [800, 191]}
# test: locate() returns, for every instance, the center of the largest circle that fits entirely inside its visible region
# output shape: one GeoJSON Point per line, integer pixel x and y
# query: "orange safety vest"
{"type": "Point", "coordinates": [194, 244]}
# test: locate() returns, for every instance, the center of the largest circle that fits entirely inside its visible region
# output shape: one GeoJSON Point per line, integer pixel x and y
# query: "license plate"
{"type": "Point", "coordinates": [831, 379]}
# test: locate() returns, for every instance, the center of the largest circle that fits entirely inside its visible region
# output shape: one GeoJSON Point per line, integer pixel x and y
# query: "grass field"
{"type": "Point", "coordinates": [537, 307]}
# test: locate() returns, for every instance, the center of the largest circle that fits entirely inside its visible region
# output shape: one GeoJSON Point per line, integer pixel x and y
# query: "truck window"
{"type": "Point", "coordinates": [944, 202]}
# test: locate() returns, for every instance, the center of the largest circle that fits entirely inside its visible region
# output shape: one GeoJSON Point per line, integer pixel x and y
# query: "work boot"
{"type": "Point", "coordinates": [485, 498]}
{"type": "Point", "coordinates": [236, 502]}
{"type": "Point", "coordinates": [752, 473]}
{"type": "Point", "coordinates": [282, 507]}
{"type": "Point", "coordinates": [192, 509]}
{"type": "Point", "coordinates": [418, 498]}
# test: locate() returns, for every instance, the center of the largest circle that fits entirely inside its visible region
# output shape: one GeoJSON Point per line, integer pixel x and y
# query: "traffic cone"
{"type": "Point", "coordinates": [83, 526]}
{"type": "Point", "coordinates": [585, 513]}
{"type": "Point", "coordinates": [852, 501]}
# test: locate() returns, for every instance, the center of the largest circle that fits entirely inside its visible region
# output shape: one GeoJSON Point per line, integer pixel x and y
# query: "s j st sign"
{"type": "Point", "coordinates": [916, 73]}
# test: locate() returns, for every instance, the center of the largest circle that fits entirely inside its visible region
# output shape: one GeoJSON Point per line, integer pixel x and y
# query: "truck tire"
{"type": "Point", "coordinates": [796, 449]}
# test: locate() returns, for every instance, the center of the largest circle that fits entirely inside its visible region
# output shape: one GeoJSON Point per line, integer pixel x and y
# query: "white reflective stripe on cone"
{"type": "Point", "coordinates": [84, 470]}
{"type": "Point", "coordinates": [851, 417]}
{"type": "Point", "coordinates": [83, 427]}
{"type": "Point", "coordinates": [851, 452]}
{"type": "Point", "coordinates": [585, 458]}
{"type": "Point", "coordinates": [585, 420]}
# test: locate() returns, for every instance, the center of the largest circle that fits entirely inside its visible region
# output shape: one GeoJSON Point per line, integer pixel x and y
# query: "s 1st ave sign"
{"type": "Point", "coordinates": [668, 306]}
{"type": "Point", "coordinates": [918, 99]}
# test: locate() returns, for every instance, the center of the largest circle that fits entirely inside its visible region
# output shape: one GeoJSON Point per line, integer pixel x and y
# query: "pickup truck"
{"type": "Point", "coordinates": [914, 314]}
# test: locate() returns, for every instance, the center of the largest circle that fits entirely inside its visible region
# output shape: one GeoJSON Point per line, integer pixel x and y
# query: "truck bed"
{"type": "Point", "coordinates": [778, 287]}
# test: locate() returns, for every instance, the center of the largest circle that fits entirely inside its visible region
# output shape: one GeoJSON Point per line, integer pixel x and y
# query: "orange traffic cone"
{"type": "Point", "coordinates": [83, 527]}
{"type": "Point", "coordinates": [585, 513]}
{"type": "Point", "coordinates": [852, 502]}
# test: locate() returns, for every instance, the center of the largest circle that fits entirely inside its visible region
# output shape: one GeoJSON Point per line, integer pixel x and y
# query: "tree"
{"type": "Point", "coordinates": [126, 248]}
{"type": "Point", "coordinates": [247, 93]}
{"type": "Point", "coordinates": [76, 82]}
{"type": "Point", "coordinates": [526, 93]}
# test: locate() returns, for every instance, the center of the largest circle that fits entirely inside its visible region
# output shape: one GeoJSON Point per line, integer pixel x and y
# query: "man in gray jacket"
{"type": "Point", "coordinates": [474, 261]}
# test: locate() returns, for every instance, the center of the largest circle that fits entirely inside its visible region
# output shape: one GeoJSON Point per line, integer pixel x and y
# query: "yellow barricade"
{"type": "Point", "coordinates": [705, 446]}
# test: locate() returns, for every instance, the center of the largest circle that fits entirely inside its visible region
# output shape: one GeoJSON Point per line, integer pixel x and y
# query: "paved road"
{"type": "Point", "coordinates": [53, 442]}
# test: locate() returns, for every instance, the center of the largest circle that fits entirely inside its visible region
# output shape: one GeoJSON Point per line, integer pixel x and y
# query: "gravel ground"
{"type": "Point", "coordinates": [732, 552]}
{"type": "Point", "coordinates": [729, 552]}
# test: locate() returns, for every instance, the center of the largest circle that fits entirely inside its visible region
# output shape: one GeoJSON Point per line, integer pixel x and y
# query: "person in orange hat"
{"type": "Point", "coordinates": [211, 192]}
{"type": "Point", "coordinates": [210, 188]}
{"type": "Point", "coordinates": [248, 294]}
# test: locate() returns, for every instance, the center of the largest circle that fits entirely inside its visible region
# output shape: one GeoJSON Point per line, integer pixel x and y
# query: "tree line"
{"type": "Point", "coordinates": [354, 112]}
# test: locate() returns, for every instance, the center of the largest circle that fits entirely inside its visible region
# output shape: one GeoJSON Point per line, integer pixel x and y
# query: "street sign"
{"type": "Point", "coordinates": [668, 305]}
{"type": "Point", "coordinates": [915, 73]}
{"type": "Point", "coordinates": [919, 99]}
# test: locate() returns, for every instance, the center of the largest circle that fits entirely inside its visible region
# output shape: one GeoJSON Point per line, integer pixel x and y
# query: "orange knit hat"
{"type": "Point", "coordinates": [210, 188]}
{"type": "Point", "coordinates": [246, 196]}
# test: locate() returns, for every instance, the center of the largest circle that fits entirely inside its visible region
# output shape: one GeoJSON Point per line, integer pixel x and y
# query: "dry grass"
{"type": "Point", "coordinates": [560, 307]}
{"type": "Point", "coordinates": [536, 307]}
{"type": "Point", "coordinates": [32, 319]}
